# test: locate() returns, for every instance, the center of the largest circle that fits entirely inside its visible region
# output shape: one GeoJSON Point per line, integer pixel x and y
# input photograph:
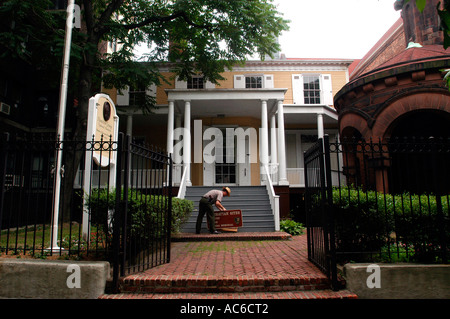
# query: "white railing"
{"type": "Point", "coordinates": [182, 189]}
{"type": "Point", "coordinates": [138, 178]}
{"type": "Point", "coordinates": [296, 177]}
{"type": "Point", "coordinates": [177, 174]}
{"type": "Point", "coordinates": [274, 199]}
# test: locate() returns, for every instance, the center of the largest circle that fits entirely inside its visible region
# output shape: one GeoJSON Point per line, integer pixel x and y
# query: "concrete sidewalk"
{"type": "Point", "coordinates": [227, 268]}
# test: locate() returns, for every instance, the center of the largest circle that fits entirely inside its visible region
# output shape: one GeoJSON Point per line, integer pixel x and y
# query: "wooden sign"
{"type": "Point", "coordinates": [228, 219]}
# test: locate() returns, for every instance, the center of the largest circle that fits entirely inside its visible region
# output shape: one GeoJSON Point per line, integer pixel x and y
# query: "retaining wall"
{"type": "Point", "coordinates": [51, 279]}
{"type": "Point", "coordinates": [398, 281]}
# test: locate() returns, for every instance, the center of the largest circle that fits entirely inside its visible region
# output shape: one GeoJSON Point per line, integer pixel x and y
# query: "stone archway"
{"type": "Point", "coordinates": [412, 171]}
{"type": "Point", "coordinates": [389, 115]}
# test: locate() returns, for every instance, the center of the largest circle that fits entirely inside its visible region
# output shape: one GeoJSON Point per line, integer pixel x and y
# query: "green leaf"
{"type": "Point", "coordinates": [421, 4]}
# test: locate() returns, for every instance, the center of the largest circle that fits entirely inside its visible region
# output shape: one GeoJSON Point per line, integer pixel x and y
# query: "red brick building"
{"type": "Point", "coordinates": [397, 89]}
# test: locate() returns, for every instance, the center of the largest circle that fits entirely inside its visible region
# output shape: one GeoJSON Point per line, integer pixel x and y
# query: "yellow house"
{"type": "Point", "coordinates": [249, 130]}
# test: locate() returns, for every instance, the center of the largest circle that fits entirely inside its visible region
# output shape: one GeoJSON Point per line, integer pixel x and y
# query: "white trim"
{"type": "Point", "coordinates": [226, 94]}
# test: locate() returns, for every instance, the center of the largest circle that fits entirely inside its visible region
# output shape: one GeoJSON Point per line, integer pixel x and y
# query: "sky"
{"type": "Point", "coordinates": [343, 29]}
{"type": "Point", "coordinates": [334, 28]}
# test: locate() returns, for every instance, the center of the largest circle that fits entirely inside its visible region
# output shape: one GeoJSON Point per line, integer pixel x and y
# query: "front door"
{"type": "Point", "coordinates": [244, 167]}
{"type": "Point", "coordinates": [227, 169]}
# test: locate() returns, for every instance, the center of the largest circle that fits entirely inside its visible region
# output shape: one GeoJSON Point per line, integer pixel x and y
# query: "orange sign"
{"type": "Point", "coordinates": [228, 218]}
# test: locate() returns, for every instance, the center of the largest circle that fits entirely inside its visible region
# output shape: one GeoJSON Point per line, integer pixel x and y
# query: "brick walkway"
{"type": "Point", "coordinates": [239, 258]}
{"type": "Point", "coordinates": [233, 269]}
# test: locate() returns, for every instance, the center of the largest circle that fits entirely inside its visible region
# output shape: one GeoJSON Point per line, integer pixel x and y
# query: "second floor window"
{"type": "Point", "coordinates": [195, 82]}
{"type": "Point", "coordinates": [311, 89]}
{"type": "Point", "coordinates": [253, 82]}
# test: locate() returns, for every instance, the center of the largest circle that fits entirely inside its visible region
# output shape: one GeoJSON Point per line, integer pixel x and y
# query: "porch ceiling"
{"type": "Point", "coordinates": [226, 102]}
{"type": "Point", "coordinates": [307, 114]}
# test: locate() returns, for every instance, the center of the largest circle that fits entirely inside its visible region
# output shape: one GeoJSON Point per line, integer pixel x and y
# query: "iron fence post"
{"type": "Point", "coordinates": [117, 214]}
{"type": "Point", "coordinates": [307, 205]}
{"type": "Point", "coordinates": [330, 213]}
{"type": "Point", "coordinates": [126, 181]}
{"type": "Point", "coordinates": [169, 233]}
{"type": "Point", "coordinates": [438, 195]}
{"type": "Point", "coordinates": [3, 160]}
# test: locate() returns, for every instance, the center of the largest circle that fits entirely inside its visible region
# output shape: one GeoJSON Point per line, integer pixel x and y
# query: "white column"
{"type": "Point", "coordinates": [281, 147]}
{"type": "Point", "coordinates": [320, 125]}
{"type": "Point", "coordinates": [176, 156]}
{"type": "Point", "coordinates": [187, 141]}
{"type": "Point", "coordinates": [177, 160]}
{"type": "Point", "coordinates": [130, 125]}
{"type": "Point", "coordinates": [170, 128]}
{"type": "Point", "coordinates": [264, 138]}
{"type": "Point", "coordinates": [273, 148]}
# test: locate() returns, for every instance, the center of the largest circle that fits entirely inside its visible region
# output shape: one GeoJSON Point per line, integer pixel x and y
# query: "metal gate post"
{"type": "Point", "coordinates": [117, 215]}
{"type": "Point", "coordinates": [330, 213]}
{"type": "Point", "coordinates": [439, 209]}
{"type": "Point", "coordinates": [169, 217]}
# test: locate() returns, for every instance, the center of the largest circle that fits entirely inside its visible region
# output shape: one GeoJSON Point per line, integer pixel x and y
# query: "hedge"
{"type": "Point", "coordinates": [144, 211]}
{"type": "Point", "coordinates": [368, 221]}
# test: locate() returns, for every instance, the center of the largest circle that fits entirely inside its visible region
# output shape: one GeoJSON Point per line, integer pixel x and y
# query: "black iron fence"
{"type": "Point", "coordinates": [319, 218]}
{"type": "Point", "coordinates": [383, 201]}
{"type": "Point", "coordinates": [115, 201]}
{"type": "Point", "coordinates": [144, 225]}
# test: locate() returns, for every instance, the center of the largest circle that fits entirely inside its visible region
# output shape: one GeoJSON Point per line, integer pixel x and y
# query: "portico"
{"type": "Point", "coordinates": [224, 109]}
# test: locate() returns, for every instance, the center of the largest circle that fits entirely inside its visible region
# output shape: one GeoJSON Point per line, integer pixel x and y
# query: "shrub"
{"type": "Point", "coordinates": [291, 227]}
{"type": "Point", "coordinates": [144, 211]}
{"type": "Point", "coordinates": [368, 221]}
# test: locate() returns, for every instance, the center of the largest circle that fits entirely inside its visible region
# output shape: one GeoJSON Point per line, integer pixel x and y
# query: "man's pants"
{"type": "Point", "coordinates": [205, 206]}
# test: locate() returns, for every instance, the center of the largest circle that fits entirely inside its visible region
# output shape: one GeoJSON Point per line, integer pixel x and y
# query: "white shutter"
{"type": "Point", "coordinates": [180, 84]}
{"type": "Point", "coordinates": [209, 85]}
{"type": "Point", "coordinates": [297, 89]}
{"type": "Point", "coordinates": [123, 97]}
{"type": "Point", "coordinates": [151, 91]}
{"type": "Point", "coordinates": [239, 81]}
{"type": "Point", "coordinates": [268, 81]}
{"type": "Point", "coordinates": [327, 89]}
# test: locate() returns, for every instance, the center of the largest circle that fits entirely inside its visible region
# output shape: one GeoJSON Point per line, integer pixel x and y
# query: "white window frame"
{"type": "Point", "coordinates": [267, 80]}
{"type": "Point", "coordinates": [325, 86]}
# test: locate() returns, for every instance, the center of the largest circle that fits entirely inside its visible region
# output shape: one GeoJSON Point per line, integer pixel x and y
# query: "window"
{"type": "Point", "coordinates": [253, 82]}
{"type": "Point", "coordinates": [311, 89]}
{"type": "Point", "coordinates": [195, 82]}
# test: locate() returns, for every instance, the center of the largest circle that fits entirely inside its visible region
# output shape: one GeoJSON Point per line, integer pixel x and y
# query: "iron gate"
{"type": "Point", "coordinates": [143, 208]}
{"type": "Point", "coordinates": [126, 221]}
{"type": "Point", "coordinates": [320, 223]}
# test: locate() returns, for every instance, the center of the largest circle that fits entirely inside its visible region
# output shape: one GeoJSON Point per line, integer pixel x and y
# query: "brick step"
{"type": "Point", "coordinates": [231, 236]}
{"type": "Point", "coordinates": [221, 284]}
{"type": "Point", "coordinates": [305, 294]}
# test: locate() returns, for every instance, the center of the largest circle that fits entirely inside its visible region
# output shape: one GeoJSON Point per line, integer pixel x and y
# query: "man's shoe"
{"type": "Point", "coordinates": [215, 232]}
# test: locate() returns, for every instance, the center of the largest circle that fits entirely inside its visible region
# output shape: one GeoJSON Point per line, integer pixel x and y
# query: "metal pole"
{"type": "Point", "coordinates": [61, 122]}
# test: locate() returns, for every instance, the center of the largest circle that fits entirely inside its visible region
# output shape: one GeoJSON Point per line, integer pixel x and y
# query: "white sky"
{"type": "Point", "coordinates": [345, 29]}
{"type": "Point", "coordinates": [334, 28]}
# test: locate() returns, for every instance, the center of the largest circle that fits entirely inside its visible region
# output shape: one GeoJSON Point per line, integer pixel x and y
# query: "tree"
{"type": "Point", "coordinates": [205, 36]}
